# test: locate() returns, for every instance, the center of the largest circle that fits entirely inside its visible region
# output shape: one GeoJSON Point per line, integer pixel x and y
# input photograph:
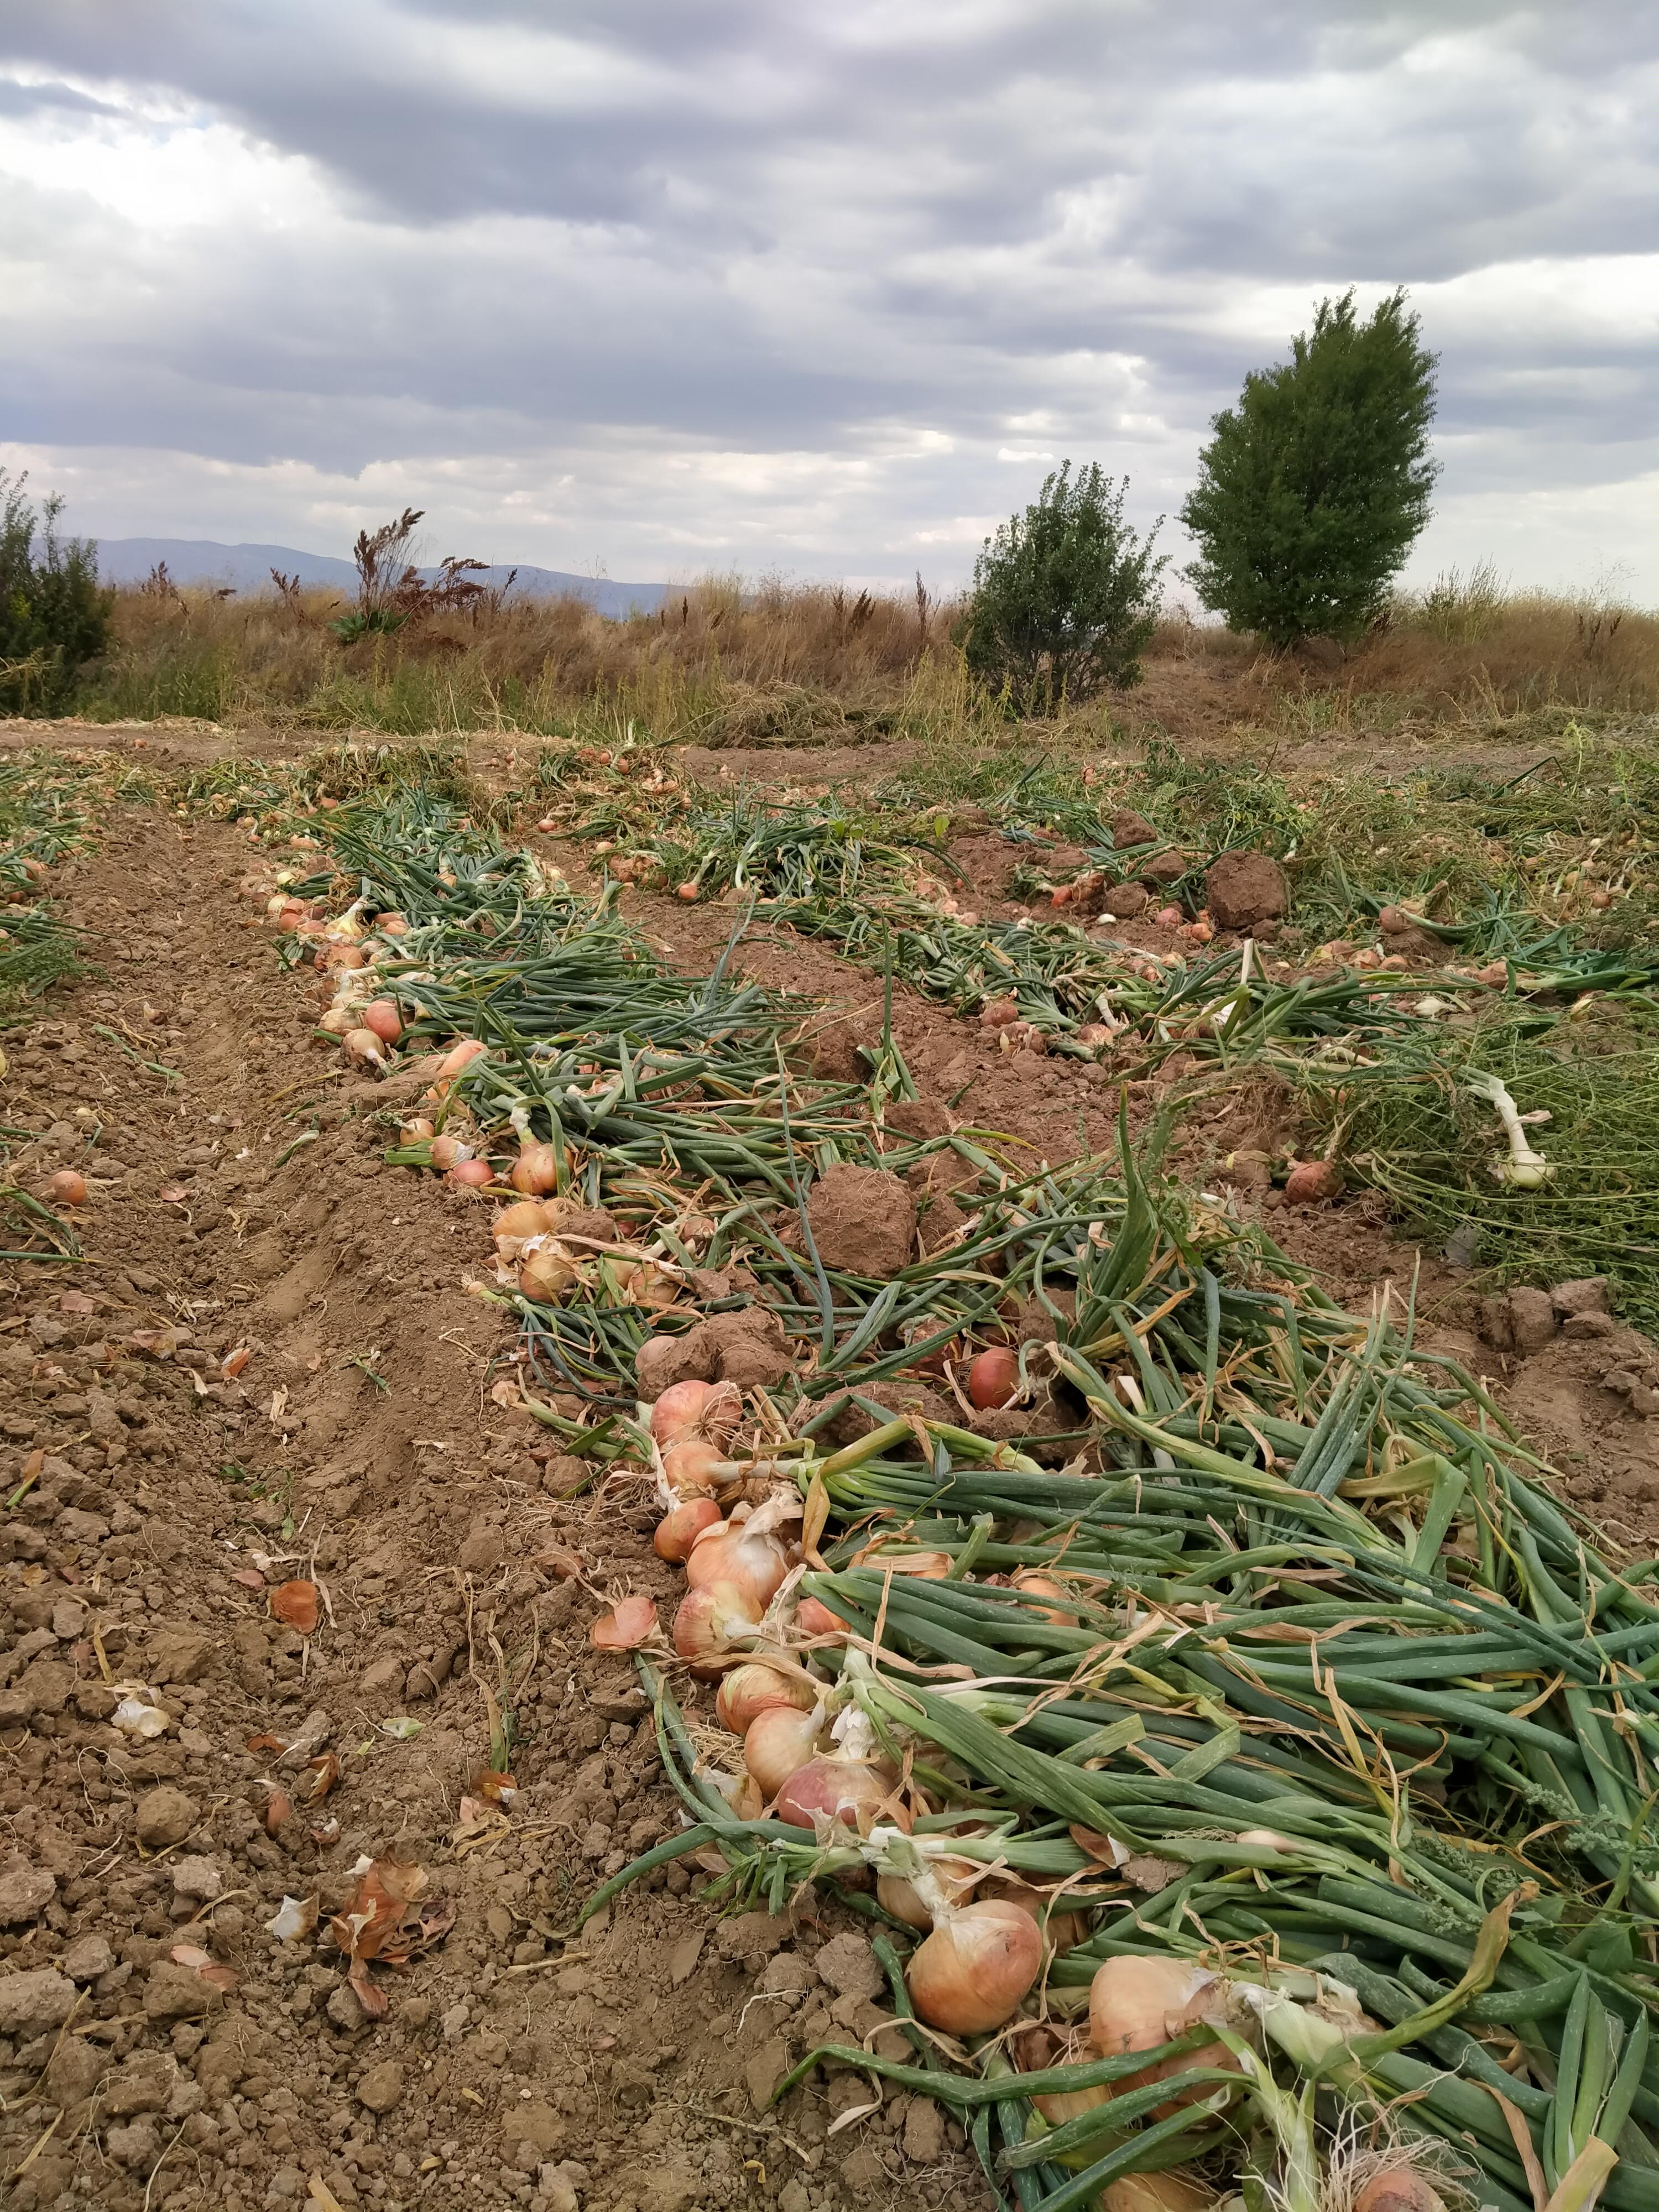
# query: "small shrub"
{"type": "Point", "coordinates": [1314, 487]}
{"type": "Point", "coordinates": [1065, 596]}
{"type": "Point", "coordinates": [54, 617]}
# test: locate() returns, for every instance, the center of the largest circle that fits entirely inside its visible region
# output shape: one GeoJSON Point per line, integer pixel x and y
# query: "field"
{"type": "Point", "coordinates": [1079, 1188]}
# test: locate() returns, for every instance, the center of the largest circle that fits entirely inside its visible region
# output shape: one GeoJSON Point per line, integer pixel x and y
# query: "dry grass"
{"type": "Point", "coordinates": [723, 664]}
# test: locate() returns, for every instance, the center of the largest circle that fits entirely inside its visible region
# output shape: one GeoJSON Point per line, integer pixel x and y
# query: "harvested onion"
{"type": "Point", "coordinates": [696, 1409]}
{"type": "Point", "coordinates": [778, 1742]}
{"type": "Point", "coordinates": [814, 1618]}
{"type": "Point", "coordinates": [972, 1971]}
{"type": "Point", "coordinates": [1040, 1585]}
{"type": "Point", "coordinates": [459, 1057]}
{"type": "Point", "coordinates": [446, 1150]}
{"type": "Point", "coordinates": [692, 1467]}
{"type": "Point", "coordinates": [67, 1188]}
{"type": "Point", "coordinates": [363, 1049]}
{"type": "Point", "coordinates": [515, 1225]}
{"type": "Point", "coordinates": [709, 1622]}
{"type": "Point", "coordinates": [1176, 2193]}
{"type": "Point", "coordinates": [994, 1378]}
{"type": "Point", "coordinates": [745, 1554]}
{"type": "Point", "coordinates": [546, 1273]}
{"type": "Point", "coordinates": [751, 1689]}
{"type": "Point", "coordinates": [471, 1175]}
{"type": "Point", "coordinates": [1397, 2189]}
{"type": "Point", "coordinates": [536, 1170]}
{"type": "Point", "coordinates": [381, 1016]}
{"type": "Point", "coordinates": [678, 1531]}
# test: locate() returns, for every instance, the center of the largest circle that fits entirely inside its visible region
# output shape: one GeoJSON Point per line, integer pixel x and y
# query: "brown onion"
{"type": "Point", "coordinates": [1040, 1585]}
{"type": "Point", "coordinates": [67, 1188]}
{"type": "Point", "coordinates": [678, 1531]}
{"type": "Point", "coordinates": [1060, 1930]}
{"type": "Point", "coordinates": [778, 1742]}
{"type": "Point", "coordinates": [536, 1170]}
{"type": "Point", "coordinates": [709, 1621]}
{"type": "Point", "coordinates": [972, 1971]}
{"type": "Point", "coordinates": [546, 1274]}
{"type": "Point", "coordinates": [750, 1690]}
{"type": "Point", "coordinates": [696, 1409]}
{"type": "Point", "coordinates": [692, 1467]}
{"type": "Point", "coordinates": [1178, 2192]}
{"type": "Point", "coordinates": [515, 1225]}
{"type": "Point", "coordinates": [814, 1618]}
{"type": "Point", "coordinates": [903, 1900]}
{"type": "Point", "coordinates": [446, 1150]}
{"type": "Point", "coordinates": [345, 956]}
{"type": "Point", "coordinates": [381, 1016]}
{"type": "Point", "coordinates": [751, 1560]}
{"type": "Point", "coordinates": [1397, 2189]}
{"type": "Point", "coordinates": [459, 1057]}
{"type": "Point", "coordinates": [994, 1378]}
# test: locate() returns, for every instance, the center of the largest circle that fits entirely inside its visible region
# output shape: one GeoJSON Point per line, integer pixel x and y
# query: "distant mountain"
{"type": "Point", "coordinates": [247, 569]}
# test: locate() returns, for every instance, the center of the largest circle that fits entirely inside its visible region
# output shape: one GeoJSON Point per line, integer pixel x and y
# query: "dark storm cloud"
{"type": "Point", "coordinates": [770, 227]}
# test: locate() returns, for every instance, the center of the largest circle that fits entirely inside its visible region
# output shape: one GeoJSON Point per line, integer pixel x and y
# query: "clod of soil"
{"type": "Point", "coordinates": [1244, 889]}
{"type": "Point", "coordinates": [863, 1221]}
{"type": "Point", "coordinates": [1129, 828]}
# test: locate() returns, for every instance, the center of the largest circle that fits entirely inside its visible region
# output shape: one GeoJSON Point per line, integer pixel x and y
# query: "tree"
{"type": "Point", "coordinates": [1314, 486]}
{"type": "Point", "coordinates": [54, 617]}
{"type": "Point", "coordinates": [1065, 595]}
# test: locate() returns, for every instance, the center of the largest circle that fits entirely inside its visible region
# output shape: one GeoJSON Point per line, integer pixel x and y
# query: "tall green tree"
{"type": "Point", "coordinates": [1314, 486]}
{"type": "Point", "coordinates": [54, 616]}
{"type": "Point", "coordinates": [1064, 596]}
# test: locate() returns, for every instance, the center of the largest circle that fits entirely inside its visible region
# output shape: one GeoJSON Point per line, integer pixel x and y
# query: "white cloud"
{"type": "Point", "coordinates": [757, 282]}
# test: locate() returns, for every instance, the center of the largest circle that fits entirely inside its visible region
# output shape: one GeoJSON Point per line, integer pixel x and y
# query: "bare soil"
{"type": "Point", "coordinates": [624, 2070]}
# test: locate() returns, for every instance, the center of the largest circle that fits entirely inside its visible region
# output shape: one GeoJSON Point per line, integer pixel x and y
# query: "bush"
{"type": "Point", "coordinates": [1065, 596]}
{"type": "Point", "coordinates": [1314, 486]}
{"type": "Point", "coordinates": [53, 617]}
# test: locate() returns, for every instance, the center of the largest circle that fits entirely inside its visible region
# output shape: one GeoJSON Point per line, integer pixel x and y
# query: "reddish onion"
{"type": "Point", "coordinates": [696, 1409]}
{"type": "Point", "coordinates": [994, 1378]}
{"type": "Point", "coordinates": [678, 1531]}
{"type": "Point", "coordinates": [381, 1016]}
{"type": "Point", "coordinates": [814, 1618]}
{"type": "Point", "coordinates": [854, 1791]}
{"type": "Point", "coordinates": [67, 1188]}
{"type": "Point", "coordinates": [471, 1175]}
{"type": "Point", "coordinates": [742, 1556]}
{"type": "Point", "coordinates": [972, 1971]}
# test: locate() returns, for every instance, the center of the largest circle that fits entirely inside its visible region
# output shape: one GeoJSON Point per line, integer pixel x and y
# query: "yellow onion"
{"type": "Point", "coordinates": [1039, 2048]}
{"type": "Point", "coordinates": [741, 1555]}
{"type": "Point", "coordinates": [904, 1900]}
{"type": "Point", "coordinates": [67, 1188]}
{"type": "Point", "coordinates": [459, 1056]}
{"type": "Point", "coordinates": [1041, 1585]}
{"type": "Point", "coordinates": [692, 1467]}
{"type": "Point", "coordinates": [710, 1621]}
{"type": "Point", "coordinates": [971, 1973]}
{"type": "Point", "coordinates": [446, 1150]}
{"type": "Point", "coordinates": [1179, 2192]}
{"type": "Point", "coordinates": [515, 1225]}
{"type": "Point", "coordinates": [696, 1409]}
{"type": "Point", "coordinates": [814, 1618]}
{"type": "Point", "coordinates": [748, 1690]}
{"type": "Point", "coordinates": [1136, 2003]}
{"type": "Point", "coordinates": [345, 956]}
{"type": "Point", "coordinates": [546, 1273]}
{"type": "Point", "coordinates": [1060, 1930]}
{"type": "Point", "coordinates": [381, 1016]}
{"type": "Point", "coordinates": [1397, 2189]}
{"type": "Point", "coordinates": [392, 924]}
{"type": "Point", "coordinates": [416, 1131]}
{"type": "Point", "coordinates": [777, 1744]}
{"type": "Point", "coordinates": [338, 1020]}
{"type": "Point", "coordinates": [536, 1170]}
{"type": "Point", "coordinates": [363, 1049]}
{"type": "Point", "coordinates": [678, 1531]}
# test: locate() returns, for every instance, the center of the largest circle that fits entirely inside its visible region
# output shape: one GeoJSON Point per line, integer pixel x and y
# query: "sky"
{"type": "Point", "coordinates": [652, 288]}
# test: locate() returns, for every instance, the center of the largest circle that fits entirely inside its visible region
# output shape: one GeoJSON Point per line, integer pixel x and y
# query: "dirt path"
{"type": "Point", "coordinates": [624, 2071]}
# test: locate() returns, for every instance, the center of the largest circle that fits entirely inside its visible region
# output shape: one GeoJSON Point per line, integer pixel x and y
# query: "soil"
{"type": "Point", "coordinates": [624, 2070]}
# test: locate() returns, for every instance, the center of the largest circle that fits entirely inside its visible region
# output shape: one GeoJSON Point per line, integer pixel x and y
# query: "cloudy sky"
{"type": "Point", "coordinates": [650, 287]}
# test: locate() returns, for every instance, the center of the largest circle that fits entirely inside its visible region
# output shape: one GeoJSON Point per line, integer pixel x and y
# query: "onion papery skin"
{"type": "Point", "coordinates": [546, 1274]}
{"type": "Point", "coordinates": [927, 1567]}
{"type": "Point", "coordinates": [696, 1409]}
{"type": "Point", "coordinates": [709, 1623]}
{"type": "Point", "coordinates": [336, 1020]}
{"type": "Point", "coordinates": [692, 1469]}
{"type": "Point", "coordinates": [417, 1131]}
{"type": "Point", "coordinates": [381, 1016]}
{"type": "Point", "coordinates": [777, 1744]}
{"type": "Point", "coordinates": [993, 1378]}
{"type": "Point", "coordinates": [973, 1971]}
{"type": "Point", "coordinates": [363, 1049]}
{"type": "Point", "coordinates": [458, 1056]}
{"type": "Point", "coordinates": [730, 1555]}
{"type": "Point", "coordinates": [850, 1790]}
{"type": "Point", "coordinates": [1060, 1930]}
{"type": "Point", "coordinates": [1174, 2192]}
{"type": "Point", "coordinates": [536, 1170]}
{"type": "Point", "coordinates": [754, 1688]}
{"type": "Point", "coordinates": [901, 1897]}
{"type": "Point", "coordinates": [515, 1225]}
{"type": "Point", "coordinates": [446, 1150]}
{"type": "Point", "coordinates": [678, 1531]}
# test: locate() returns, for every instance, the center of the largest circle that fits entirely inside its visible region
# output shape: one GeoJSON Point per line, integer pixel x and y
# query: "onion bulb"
{"type": "Point", "coordinates": [745, 1554]}
{"type": "Point", "coordinates": [854, 1791]}
{"type": "Point", "coordinates": [751, 1689]}
{"type": "Point", "coordinates": [546, 1272]}
{"type": "Point", "coordinates": [446, 1150]}
{"type": "Point", "coordinates": [363, 1049]}
{"type": "Point", "coordinates": [814, 1618]}
{"type": "Point", "coordinates": [994, 1378]}
{"type": "Point", "coordinates": [459, 1057]}
{"type": "Point", "coordinates": [1136, 2003]}
{"type": "Point", "coordinates": [345, 956]}
{"type": "Point", "coordinates": [515, 1225]}
{"type": "Point", "coordinates": [904, 1900]}
{"type": "Point", "coordinates": [678, 1531]}
{"type": "Point", "coordinates": [471, 1175]}
{"type": "Point", "coordinates": [536, 1170]}
{"type": "Point", "coordinates": [1397, 2189]}
{"type": "Point", "coordinates": [416, 1131]}
{"type": "Point", "coordinates": [972, 1971]}
{"type": "Point", "coordinates": [709, 1621]}
{"type": "Point", "coordinates": [696, 1409]}
{"type": "Point", "coordinates": [338, 1019]}
{"type": "Point", "coordinates": [381, 1016]}
{"type": "Point", "coordinates": [1060, 1930]}
{"type": "Point", "coordinates": [391, 925]}
{"type": "Point", "coordinates": [777, 1744]}
{"type": "Point", "coordinates": [1177, 2192]}
{"type": "Point", "coordinates": [67, 1188]}
{"type": "Point", "coordinates": [1041, 1585]}
{"type": "Point", "coordinates": [692, 1469]}
{"type": "Point", "coordinates": [1039, 2048]}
